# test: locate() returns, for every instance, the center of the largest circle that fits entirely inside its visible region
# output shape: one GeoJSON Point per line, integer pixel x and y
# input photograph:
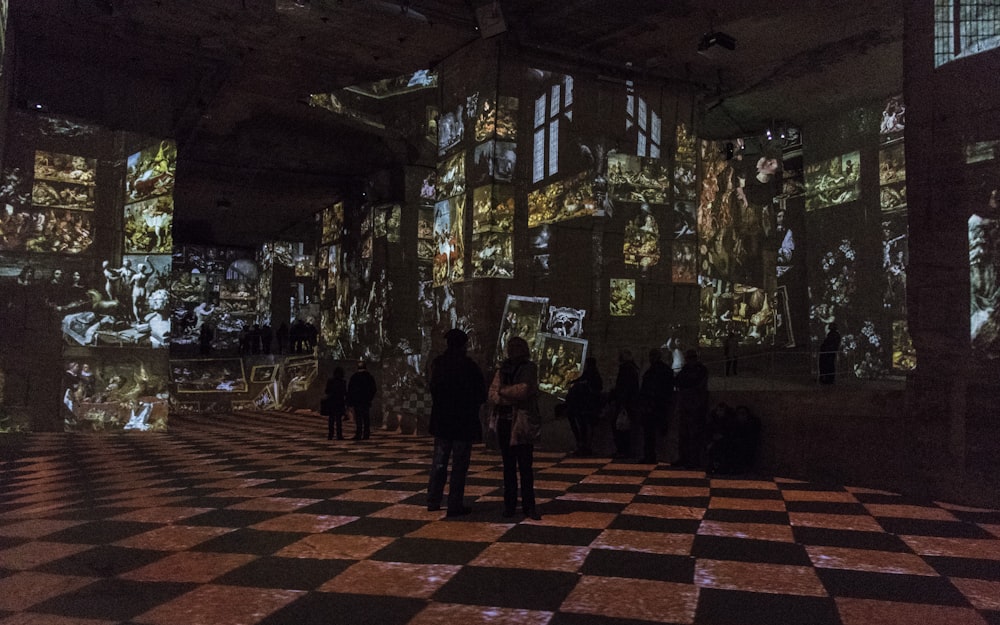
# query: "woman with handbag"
{"type": "Point", "coordinates": [517, 422]}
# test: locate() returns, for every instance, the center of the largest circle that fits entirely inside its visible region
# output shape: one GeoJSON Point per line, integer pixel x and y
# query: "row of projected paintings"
{"type": "Point", "coordinates": [128, 390]}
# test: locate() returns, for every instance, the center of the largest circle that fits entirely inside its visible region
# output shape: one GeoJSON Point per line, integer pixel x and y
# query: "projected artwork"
{"type": "Point", "coordinates": [637, 179]}
{"type": "Point", "coordinates": [62, 195]}
{"type": "Point", "coordinates": [390, 87]}
{"type": "Point", "coordinates": [523, 317]}
{"type": "Point", "coordinates": [904, 355]}
{"type": "Point", "coordinates": [687, 145]}
{"type": "Point", "coordinates": [149, 226]}
{"type": "Point", "coordinates": [114, 395]}
{"type": "Point", "coordinates": [209, 376]}
{"type": "Point", "coordinates": [784, 333]}
{"type": "Point", "coordinates": [263, 374]}
{"type": "Point", "coordinates": [984, 279]}
{"type": "Point", "coordinates": [622, 302]}
{"type": "Point", "coordinates": [560, 361]}
{"type": "Point", "coordinates": [893, 116]}
{"type": "Point", "coordinates": [393, 219]}
{"type": "Point", "coordinates": [565, 321]}
{"type": "Point", "coordinates": [451, 128]}
{"type": "Point", "coordinates": [333, 223]}
{"type": "Point", "coordinates": [127, 306]}
{"type": "Point", "coordinates": [493, 122]}
{"type": "Point", "coordinates": [451, 177]}
{"type": "Point", "coordinates": [47, 230]}
{"type": "Point", "coordinates": [449, 238]}
{"type": "Point", "coordinates": [77, 170]}
{"type": "Point", "coordinates": [150, 172]}
{"type": "Point", "coordinates": [642, 238]}
{"type": "Point", "coordinates": [685, 180]}
{"type": "Point", "coordinates": [833, 182]}
{"type": "Point", "coordinates": [892, 176]}
{"type": "Point", "coordinates": [685, 219]}
{"type": "Point", "coordinates": [684, 265]}
{"type": "Point", "coordinates": [425, 234]}
{"type": "Point", "coordinates": [492, 255]}
{"type": "Point", "coordinates": [561, 200]}
{"type": "Point", "coordinates": [894, 261]}
{"type": "Point", "coordinates": [494, 161]}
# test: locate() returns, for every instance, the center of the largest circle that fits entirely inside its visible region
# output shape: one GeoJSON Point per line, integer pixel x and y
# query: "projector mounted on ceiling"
{"type": "Point", "coordinates": [713, 41]}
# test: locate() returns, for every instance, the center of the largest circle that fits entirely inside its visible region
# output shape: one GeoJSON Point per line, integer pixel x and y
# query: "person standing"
{"type": "Point", "coordinates": [513, 394]}
{"type": "Point", "coordinates": [583, 403]}
{"type": "Point", "coordinates": [731, 348]}
{"type": "Point", "coordinates": [692, 408]}
{"type": "Point", "coordinates": [654, 397]}
{"type": "Point", "coordinates": [361, 391]}
{"type": "Point", "coordinates": [282, 335]}
{"type": "Point", "coordinates": [624, 396]}
{"type": "Point", "coordinates": [828, 355]}
{"type": "Point", "coordinates": [205, 336]}
{"type": "Point", "coordinates": [335, 404]}
{"type": "Point", "coordinates": [457, 390]}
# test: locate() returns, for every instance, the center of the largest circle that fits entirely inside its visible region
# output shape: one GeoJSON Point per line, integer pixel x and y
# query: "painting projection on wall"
{"type": "Point", "coordinates": [449, 239]}
{"type": "Point", "coordinates": [560, 361]}
{"type": "Point", "coordinates": [565, 321]}
{"type": "Point", "coordinates": [148, 226]}
{"type": "Point", "coordinates": [127, 392]}
{"type": "Point", "coordinates": [150, 172]}
{"type": "Point", "coordinates": [492, 232]}
{"type": "Point", "coordinates": [563, 199]}
{"type": "Point", "coordinates": [833, 181]}
{"type": "Point", "coordinates": [622, 297]}
{"type": "Point", "coordinates": [523, 317]}
{"type": "Point", "coordinates": [223, 375]}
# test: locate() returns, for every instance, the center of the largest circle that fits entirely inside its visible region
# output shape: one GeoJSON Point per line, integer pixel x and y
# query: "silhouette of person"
{"type": "Point", "coordinates": [361, 391]}
{"type": "Point", "coordinates": [828, 355]}
{"type": "Point", "coordinates": [335, 404]}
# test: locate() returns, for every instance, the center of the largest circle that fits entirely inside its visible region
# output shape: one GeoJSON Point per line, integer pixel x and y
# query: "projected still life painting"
{"type": "Point", "coordinates": [560, 361]}
{"type": "Point", "coordinates": [223, 375]}
{"type": "Point", "coordinates": [622, 303]}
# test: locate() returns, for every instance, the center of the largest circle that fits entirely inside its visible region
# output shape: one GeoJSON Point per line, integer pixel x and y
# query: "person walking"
{"type": "Point", "coordinates": [828, 355]}
{"type": "Point", "coordinates": [583, 404]}
{"type": "Point", "coordinates": [361, 391]}
{"type": "Point", "coordinates": [624, 396]}
{"type": "Point", "coordinates": [692, 408]}
{"type": "Point", "coordinates": [517, 421]}
{"type": "Point", "coordinates": [335, 404]}
{"type": "Point", "coordinates": [457, 390]}
{"type": "Point", "coordinates": [654, 399]}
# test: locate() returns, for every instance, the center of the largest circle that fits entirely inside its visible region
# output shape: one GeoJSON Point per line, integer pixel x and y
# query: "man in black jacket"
{"type": "Point", "coordinates": [361, 391]}
{"type": "Point", "coordinates": [457, 390]}
{"type": "Point", "coordinates": [654, 400]}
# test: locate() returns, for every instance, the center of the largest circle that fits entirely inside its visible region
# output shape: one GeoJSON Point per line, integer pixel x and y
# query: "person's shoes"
{"type": "Point", "coordinates": [456, 513]}
{"type": "Point", "coordinates": [433, 508]}
{"type": "Point", "coordinates": [533, 515]}
{"type": "Point", "coordinates": [507, 513]}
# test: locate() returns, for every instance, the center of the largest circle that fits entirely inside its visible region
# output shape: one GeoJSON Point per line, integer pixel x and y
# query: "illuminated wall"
{"type": "Point", "coordinates": [85, 268]}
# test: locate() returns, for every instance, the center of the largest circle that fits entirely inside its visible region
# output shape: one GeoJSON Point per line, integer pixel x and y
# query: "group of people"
{"type": "Point", "coordinates": [356, 394]}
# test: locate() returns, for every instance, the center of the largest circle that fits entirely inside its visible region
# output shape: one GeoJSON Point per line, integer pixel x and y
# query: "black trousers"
{"type": "Point", "coordinates": [335, 425]}
{"type": "Point", "coordinates": [460, 453]}
{"type": "Point", "coordinates": [517, 461]}
{"type": "Point", "coordinates": [580, 424]}
{"type": "Point", "coordinates": [362, 421]}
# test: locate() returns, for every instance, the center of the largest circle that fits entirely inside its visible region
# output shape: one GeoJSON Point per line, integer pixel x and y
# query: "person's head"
{"type": "Point", "coordinates": [456, 339]}
{"type": "Point", "coordinates": [518, 349]}
{"type": "Point", "coordinates": [362, 365]}
{"type": "Point", "coordinates": [655, 355]}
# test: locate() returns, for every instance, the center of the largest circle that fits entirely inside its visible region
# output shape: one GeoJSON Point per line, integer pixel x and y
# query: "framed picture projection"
{"type": "Point", "coordinates": [263, 373]}
{"type": "Point", "coordinates": [223, 375]}
{"type": "Point", "coordinates": [560, 361]}
{"type": "Point", "coordinates": [150, 172]}
{"type": "Point", "coordinates": [523, 317]}
{"type": "Point", "coordinates": [622, 302]}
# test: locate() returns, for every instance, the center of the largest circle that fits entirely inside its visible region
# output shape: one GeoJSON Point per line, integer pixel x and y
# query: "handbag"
{"type": "Point", "coordinates": [523, 429]}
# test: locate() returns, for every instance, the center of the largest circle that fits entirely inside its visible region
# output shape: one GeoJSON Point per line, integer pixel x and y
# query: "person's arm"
{"type": "Point", "coordinates": [524, 387]}
{"type": "Point", "coordinates": [494, 392]}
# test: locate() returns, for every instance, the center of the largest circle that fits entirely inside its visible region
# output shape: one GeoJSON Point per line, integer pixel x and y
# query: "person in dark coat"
{"type": "Point", "coordinates": [624, 395]}
{"type": "Point", "coordinates": [654, 400]}
{"type": "Point", "coordinates": [282, 335]}
{"type": "Point", "coordinates": [361, 391]}
{"type": "Point", "coordinates": [205, 336]}
{"type": "Point", "coordinates": [457, 390]}
{"type": "Point", "coordinates": [692, 408]}
{"type": "Point", "coordinates": [828, 355]}
{"type": "Point", "coordinates": [583, 404]}
{"type": "Point", "coordinates": [266, 338]}
{"type": "Point", "coordinates": [335, 404]}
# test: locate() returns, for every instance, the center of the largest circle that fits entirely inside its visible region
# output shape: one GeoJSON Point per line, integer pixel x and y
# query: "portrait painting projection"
{"type": "Point", "coordinates": [127, 392]}
{"type": "Point", "coordinates": [622, 297]}
{"type": "Point", "coordinates": [523, 317]}
{"type": "Point", "coordinates": [560, 361]}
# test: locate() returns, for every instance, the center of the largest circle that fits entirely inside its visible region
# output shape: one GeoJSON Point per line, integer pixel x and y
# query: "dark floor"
{"type": "Point", "coordinates": [257, 518]}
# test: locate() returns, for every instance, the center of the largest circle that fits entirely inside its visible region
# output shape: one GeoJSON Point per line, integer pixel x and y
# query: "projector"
{"type": "Point", "coordinates": [712, 41]}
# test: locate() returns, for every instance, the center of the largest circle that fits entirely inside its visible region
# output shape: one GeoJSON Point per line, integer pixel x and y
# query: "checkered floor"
{"type": "Point", "coordinates": [257, 518]}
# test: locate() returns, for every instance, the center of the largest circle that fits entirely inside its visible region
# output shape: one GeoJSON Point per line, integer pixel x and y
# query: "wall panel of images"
{"type": "Point", "coordinates": [982, 196]}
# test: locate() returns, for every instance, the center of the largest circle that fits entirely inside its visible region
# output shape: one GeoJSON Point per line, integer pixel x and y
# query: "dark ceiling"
{"type": "Point", "coordinates": [227, 78]}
